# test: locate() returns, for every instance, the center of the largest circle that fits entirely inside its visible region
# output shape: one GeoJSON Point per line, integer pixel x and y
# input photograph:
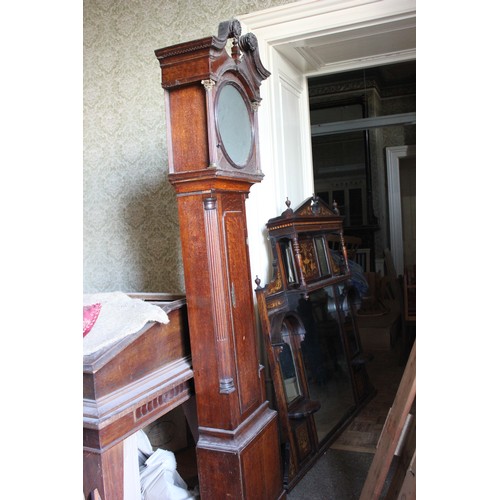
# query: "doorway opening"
{"type": "Point", "coordinates": [357, 116]}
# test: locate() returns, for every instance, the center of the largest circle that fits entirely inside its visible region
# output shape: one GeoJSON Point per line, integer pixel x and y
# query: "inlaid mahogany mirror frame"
{"type": "Point", "coordinates": [310, 333]}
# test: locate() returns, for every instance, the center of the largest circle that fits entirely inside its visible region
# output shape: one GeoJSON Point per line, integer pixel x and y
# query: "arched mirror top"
{"type": "Point", "coordinates": [286, 324]}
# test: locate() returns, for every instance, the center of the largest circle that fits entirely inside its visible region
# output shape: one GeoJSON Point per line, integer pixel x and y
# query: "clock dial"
{"type": "Point", "coordinates": [234, 125]}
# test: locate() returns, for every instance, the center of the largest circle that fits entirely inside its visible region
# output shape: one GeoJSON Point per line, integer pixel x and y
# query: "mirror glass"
{"type": "Point", "coordinates": [325, 359]}
{"type": "Point", "coordinates": [288, 368]}
{"type": "Point", "coordinates": [319, 242]}
{"type": "Point", "coordinates": [234, 125]}
{"type": "Point", "coordinates": [346, 317]}
{"type": "Point", "coordinates": [287, 252]}
{"type": "Point", "coordinates": [340, 162]}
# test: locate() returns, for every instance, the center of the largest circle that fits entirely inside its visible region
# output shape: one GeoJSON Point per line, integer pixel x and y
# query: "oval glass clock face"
{"type": "Point", "coordinates": [234, 125]}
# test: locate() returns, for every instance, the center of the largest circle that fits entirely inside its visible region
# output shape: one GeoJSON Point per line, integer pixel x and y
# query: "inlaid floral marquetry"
{"type": "Point", "coordinates": [308, 261]}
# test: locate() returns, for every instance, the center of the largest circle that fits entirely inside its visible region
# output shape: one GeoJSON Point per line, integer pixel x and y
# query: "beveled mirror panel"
{"type": "Point", "coordinates": [347, 318]}
{"type": "Point", "coordinates": [319, 243]}
{"type": "Point", "coordinates": [325, 360]}
{"type": "Point", "coordinates": [288, 366]}
{"type": "Point", "coordinates": [289, 262]}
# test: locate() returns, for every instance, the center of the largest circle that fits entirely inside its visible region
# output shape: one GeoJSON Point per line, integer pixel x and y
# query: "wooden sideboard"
{"type": "Point", "coordinates": [128, 385]}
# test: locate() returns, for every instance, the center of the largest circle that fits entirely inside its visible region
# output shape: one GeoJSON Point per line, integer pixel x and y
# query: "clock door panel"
{"type": "Point", "coordinates": [241, 305]}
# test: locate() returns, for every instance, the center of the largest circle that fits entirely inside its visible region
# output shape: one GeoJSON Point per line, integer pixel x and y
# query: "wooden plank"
{"type": "Point", "coordinates": [403, 465]}
{"type": "Point", "coordinates": [391, 433]}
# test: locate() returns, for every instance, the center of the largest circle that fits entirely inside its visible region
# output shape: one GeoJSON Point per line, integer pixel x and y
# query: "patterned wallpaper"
{"type": "Point", "coordinates": [130, 225]}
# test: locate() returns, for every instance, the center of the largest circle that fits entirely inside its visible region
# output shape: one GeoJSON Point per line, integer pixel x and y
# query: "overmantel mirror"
{"type": "Point", "coordinates": [309, 326]}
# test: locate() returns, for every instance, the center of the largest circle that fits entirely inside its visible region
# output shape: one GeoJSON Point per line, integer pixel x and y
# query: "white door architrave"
{"type": "Point", "coordinates": [394, 155]}
{"type": "Point", "coordinates": [298, 40]}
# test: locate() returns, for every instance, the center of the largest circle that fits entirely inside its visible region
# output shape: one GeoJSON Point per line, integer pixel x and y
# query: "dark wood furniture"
{"type": "Point", "coordinates": [309, 326]}
{"type": "Point", "coordinates": [212, 101]}
{"type": "Point", "coordinates": [409, 316]}
{"type": "Point", "coordinates": [129, 385]}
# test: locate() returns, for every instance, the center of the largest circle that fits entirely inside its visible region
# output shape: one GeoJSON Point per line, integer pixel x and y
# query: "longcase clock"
{"type": "Point", "coordinates": [212, 99]}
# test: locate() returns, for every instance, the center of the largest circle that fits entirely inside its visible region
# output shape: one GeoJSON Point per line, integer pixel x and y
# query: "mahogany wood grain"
{"type": "Point", "coordinates": [127, 386]}
{"type": "Point", "coordinates": [238, 447]}
{"type": "Point", "coordinates": [104, 472]}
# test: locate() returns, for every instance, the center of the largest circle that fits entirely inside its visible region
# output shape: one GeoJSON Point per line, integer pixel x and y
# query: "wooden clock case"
{"type": "Point", "coordinates": [212, 165]}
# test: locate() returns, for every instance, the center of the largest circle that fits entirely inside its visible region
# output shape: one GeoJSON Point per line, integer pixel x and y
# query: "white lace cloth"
{"type": "Point", "coordinates": [119, 317]}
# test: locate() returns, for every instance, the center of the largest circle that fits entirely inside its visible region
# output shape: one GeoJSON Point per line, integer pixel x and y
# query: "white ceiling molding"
{"type": "Point", "coordinates": [312, 18]}
{"type": "Point", "coordinates": [327, 36]}
{"type": "Point", "coordinates": [298, 11]}
{"type": "Point", "coordinates": [364, 62]}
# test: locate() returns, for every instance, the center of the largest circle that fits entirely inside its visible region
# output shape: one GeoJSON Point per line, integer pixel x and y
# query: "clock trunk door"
{"type": "Point", "coordinates": [242, 316]}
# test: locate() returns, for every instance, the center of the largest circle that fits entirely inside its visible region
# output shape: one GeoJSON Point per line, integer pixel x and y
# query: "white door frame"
{"type": "Point", "coordinates": [283, 33]}
{"type": "Point", "coordinates": [394, 155]}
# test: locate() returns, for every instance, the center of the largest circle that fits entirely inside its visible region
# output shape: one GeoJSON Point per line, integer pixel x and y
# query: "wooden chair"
{"type": "Point", "coordinates": [410, 294]}
{"type": "Point", "coordinates": [354, 252]}
{"type": "Point", "coordinates": [351, 243]}
{"type": "Point", "coordinates": [409, 316]}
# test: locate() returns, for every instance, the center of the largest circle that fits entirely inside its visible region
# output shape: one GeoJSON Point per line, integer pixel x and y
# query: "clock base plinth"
{"type": "Point", "coordinates": [243, 460]}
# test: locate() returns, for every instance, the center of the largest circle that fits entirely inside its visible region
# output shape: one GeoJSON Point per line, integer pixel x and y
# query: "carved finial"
{"type": "Point", "coordinates": [288, 212]}
{"type": "Point", "coordinates": [335, 209]}
{"type": "Point", "coordinates": [235, 50]}
{"type": "Point", "coordinates": [229, 29]}
{"type": "Point", "coordinates": [315, 204]}
{"type": "Point", "coordinates": [257, 282]}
